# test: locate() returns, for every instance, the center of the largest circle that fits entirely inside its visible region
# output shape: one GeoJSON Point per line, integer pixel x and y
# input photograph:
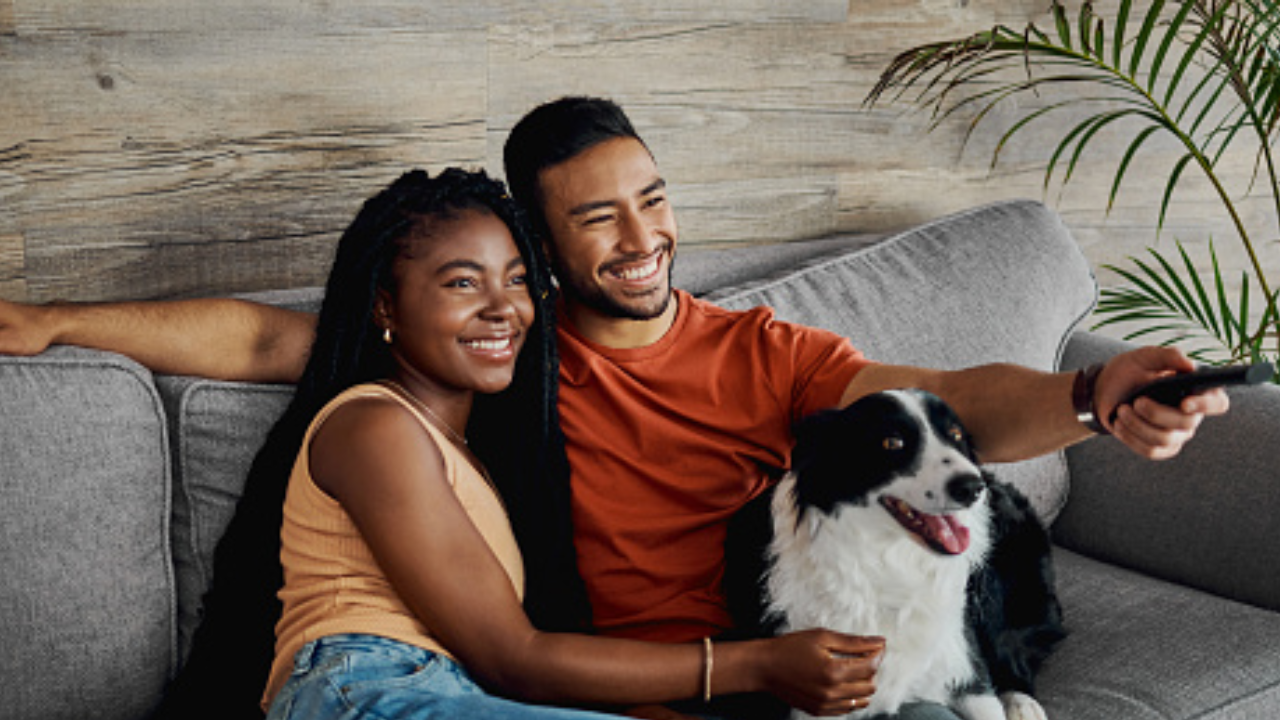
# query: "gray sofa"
{"type": "Point", "coordinates": [115, 484]}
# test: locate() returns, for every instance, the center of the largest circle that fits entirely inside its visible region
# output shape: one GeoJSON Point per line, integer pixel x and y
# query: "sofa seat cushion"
{"type": "Point", "coordinates": [86, 605]}
{"type": "Point", "coordinates": [1000, 283]}
{"type": "Point", "coordinates": [1145, 649]}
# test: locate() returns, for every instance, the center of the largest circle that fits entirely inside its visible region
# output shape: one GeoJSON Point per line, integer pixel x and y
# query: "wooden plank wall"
{"type": "Point", "coordinates": [178, 148]}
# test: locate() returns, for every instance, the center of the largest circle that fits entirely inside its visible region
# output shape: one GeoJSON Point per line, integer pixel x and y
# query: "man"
{"type": "Point", "coordinates": [675, 413]}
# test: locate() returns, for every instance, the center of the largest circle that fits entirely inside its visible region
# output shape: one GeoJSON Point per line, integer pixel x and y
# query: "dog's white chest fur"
{"type": "Point", "coordinates": [857, 572]}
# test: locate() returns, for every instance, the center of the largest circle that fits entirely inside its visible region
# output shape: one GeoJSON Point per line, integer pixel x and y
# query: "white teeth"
{"type": "Point", "coordinates": [643, 271]}
{"type": "Point", "coordinates": [489, 345]}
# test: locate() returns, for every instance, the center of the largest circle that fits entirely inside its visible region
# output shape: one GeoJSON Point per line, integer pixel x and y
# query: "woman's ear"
{"type": "Point", "coordinates": [382, 314]}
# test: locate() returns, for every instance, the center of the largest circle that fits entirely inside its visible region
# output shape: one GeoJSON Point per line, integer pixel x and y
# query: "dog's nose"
{"type": "Point", "coordinates": [965, 489]}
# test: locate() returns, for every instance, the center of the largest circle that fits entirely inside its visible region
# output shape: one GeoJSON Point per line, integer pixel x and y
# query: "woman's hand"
{"type": "Point", "coordinates": [823, 672]}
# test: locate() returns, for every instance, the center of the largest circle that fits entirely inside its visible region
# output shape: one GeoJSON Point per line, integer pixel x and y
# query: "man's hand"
{"type": "Point", "coordinates": [1148, 428]}
{"type": "Point", "coordinates": [24, 329]}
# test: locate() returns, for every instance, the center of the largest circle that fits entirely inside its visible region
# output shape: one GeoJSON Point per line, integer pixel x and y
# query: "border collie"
{"type": "Point", "coordinates": [886, 526]}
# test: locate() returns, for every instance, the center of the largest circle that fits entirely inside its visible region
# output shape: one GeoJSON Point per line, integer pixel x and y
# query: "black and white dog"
{"type": "Point", "coordinates": [886, 526]}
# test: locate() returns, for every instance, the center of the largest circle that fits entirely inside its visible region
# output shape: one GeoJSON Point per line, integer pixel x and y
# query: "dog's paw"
{"type": "Point", "coordinates": [1020, 706]}
{"type": "Point", "coordinates": [979, 706]}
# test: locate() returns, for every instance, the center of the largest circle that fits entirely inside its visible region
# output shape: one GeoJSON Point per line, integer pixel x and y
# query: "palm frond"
{"type": "Point", "coordinates": [1169, 298]}
{"type": "Point", "coordinates": [1204, 72]}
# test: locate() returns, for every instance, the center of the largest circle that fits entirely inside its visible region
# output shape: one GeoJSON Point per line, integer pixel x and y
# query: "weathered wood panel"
{"type": "Point", "coordinates": [7, 24]}
{"type": "Point", "coordinates": [163, 148]}
{"type": "Point", "coordinates": [324, 16]}
{"type": "Point", "coordinates": [12, 282]}
{"type": "Point", "coordinates": [185, 163]}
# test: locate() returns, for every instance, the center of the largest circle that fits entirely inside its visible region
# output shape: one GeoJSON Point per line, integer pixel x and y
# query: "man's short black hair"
{"type": "Point", "coordinates": [551, 134]}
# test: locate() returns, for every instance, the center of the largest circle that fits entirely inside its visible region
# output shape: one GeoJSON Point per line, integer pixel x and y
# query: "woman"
{"type": "Point", "coordinates": [401, 568]}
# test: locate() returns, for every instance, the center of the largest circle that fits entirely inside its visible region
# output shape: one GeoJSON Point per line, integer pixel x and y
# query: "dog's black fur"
{"type": "Point", "coordinates": [1013, 619]}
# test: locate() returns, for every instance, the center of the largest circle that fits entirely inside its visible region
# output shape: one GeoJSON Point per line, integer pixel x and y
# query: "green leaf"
{"type": "Point", "coordinates": [1144, 36]}
{"type": "Point", "coordinates": [1169, 188]}
{"type": "Point", "coordinates": [1083, 24]}
{"type": "Point", "coordinates": [1064, 27]}
{"type": "Point", "coordinates": [1122, 20]}
{"type": "Point", "coordinates": [1094, 126]}
{"type": "Point", "coordinates": [1124, 163]}
{"type": "Point", "coordinates": [1231, 326]}
{"type": "Point", "coordinates": [1170, 34]}
{"type": "Point", "coordinates": [1188, 56]}
{"type": "Point", "coordinates": [1209, 77]}
{"type": "Point", "coordinates": [1204, 307]}
{"type": "Point", "coordinates": [1099, 40]}
{"type": "Point", "coordinates": [1185, 299]}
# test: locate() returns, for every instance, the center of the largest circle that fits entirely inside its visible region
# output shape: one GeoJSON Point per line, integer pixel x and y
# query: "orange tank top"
{"type": "Point", "coordinates": [332, 583]}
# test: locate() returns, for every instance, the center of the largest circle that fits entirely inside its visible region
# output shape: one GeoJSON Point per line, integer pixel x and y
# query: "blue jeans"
{"type": "Point", "coordinates": [372, 678]}
{"type": "Point", "coordinates": [919, 711]}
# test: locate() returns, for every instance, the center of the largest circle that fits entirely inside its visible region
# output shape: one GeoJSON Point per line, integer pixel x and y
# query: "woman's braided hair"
{"type": "Point", "coordinates": [516, 433]}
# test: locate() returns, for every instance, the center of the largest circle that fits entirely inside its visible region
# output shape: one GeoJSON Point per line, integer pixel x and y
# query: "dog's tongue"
{"type": "Point", "coordinates": [944, 533]}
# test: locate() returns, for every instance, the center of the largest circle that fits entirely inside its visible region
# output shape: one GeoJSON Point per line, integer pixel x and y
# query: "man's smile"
{"type": "Point", "coordinates": [643, 271]}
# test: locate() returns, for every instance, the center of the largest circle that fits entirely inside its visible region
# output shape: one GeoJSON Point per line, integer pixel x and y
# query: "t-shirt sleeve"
{"type": "Point", "coordinates": [823, 364]}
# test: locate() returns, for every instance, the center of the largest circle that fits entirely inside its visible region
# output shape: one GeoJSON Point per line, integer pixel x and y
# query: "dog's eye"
{"type": "Point", "coordinates": [956, 433]}
{"type": "Point", "coordinates": [893, 442]}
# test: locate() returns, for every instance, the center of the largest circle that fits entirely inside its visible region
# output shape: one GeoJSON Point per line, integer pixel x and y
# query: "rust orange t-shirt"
{"type": "Point", "coordinates": [667, 441]}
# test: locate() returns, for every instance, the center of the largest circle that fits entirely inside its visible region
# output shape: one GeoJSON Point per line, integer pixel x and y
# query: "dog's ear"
{"type": "Point", "coordinates": [837, 450]}
{"type": "Point", "coordinates": [811, 461]}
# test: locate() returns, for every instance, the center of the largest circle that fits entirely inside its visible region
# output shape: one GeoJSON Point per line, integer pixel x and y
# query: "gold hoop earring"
{"type": "Point", "coordinates": [386, 335]}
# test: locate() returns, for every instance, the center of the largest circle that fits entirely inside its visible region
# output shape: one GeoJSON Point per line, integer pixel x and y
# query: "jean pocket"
{"type": "Point", "coordinates": [370, 677]}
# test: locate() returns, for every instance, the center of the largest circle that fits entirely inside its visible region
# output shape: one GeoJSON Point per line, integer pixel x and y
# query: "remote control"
{"type": "Point", "coordinates": [1171, 390]}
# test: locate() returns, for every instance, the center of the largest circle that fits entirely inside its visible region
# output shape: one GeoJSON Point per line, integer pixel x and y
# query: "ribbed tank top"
{"type": "Point", "coordinates": [332, 583]}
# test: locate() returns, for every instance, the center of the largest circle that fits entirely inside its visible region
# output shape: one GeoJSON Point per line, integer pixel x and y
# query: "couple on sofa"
{"type": "Point", "coordinates": [443, 357]}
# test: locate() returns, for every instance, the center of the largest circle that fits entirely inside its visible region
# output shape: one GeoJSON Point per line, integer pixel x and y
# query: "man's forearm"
{"type": "Point", "coordinates": [216, 338]}
{"type": "Point", "coordinates": [1015, 413]}
{"type": "Point", "coordinates": [1012, 412]}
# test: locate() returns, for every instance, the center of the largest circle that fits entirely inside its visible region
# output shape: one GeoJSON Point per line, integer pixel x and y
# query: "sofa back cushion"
{"type": "Point", "coordinates": [86, 604]}
{"type": "Point", "coordinates": [216, 429]}
{"type": "Point", "coordinates": [1005, 282]}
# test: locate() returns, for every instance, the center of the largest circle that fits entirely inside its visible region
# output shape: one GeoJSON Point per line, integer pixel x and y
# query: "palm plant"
{"type": "Point", "coordinates": [1205, 72]}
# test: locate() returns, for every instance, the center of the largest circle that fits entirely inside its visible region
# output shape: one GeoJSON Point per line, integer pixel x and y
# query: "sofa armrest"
{"type": "Point", "coordinates": [1209, 518]}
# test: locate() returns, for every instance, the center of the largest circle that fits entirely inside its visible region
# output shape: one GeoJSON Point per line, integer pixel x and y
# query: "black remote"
{"type": "Point", "coordinates": [1171, 390]}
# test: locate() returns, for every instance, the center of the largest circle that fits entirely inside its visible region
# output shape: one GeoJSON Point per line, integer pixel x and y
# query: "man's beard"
{"type": "Point", "coordinates": [646, 306]}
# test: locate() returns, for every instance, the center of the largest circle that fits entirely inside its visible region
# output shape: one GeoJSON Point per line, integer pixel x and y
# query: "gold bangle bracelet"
{"type": "Point", "coordinates": [708, 660]}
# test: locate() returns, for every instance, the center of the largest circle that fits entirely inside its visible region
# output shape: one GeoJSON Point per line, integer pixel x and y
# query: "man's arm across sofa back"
{"type": "Point", "coordinates": [221, 338]}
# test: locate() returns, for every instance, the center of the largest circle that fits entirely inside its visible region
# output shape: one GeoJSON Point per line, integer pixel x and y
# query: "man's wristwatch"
{"type": "Point", "coordinates": [1083, 393]}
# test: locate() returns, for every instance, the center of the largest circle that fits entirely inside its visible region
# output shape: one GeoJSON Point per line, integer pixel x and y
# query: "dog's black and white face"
{"type": "Point", "coordinates": [903, 452]}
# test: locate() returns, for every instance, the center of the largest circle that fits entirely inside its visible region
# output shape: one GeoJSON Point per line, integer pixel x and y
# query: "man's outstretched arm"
{"type": "Point", "coordinates": [217, 338]}
{"type": "Point", "coordinates": [1015, 413]}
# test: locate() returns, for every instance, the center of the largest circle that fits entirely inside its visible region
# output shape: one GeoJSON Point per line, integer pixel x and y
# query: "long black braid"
{"type": "Point", "coordinates": [516, 433]}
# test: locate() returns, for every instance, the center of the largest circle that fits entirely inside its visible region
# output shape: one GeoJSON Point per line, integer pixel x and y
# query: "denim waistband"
{"type": "Point", "coordinates": [316, 651]}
